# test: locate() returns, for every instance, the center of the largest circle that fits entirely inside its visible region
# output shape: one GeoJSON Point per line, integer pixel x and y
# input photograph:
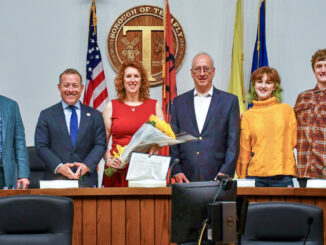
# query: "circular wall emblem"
{"type": "Point", "coordinates": [138, 34]}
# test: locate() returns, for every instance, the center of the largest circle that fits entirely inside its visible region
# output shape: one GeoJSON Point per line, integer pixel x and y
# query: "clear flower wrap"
{"type": "Point", "coordinates": [146, 137]}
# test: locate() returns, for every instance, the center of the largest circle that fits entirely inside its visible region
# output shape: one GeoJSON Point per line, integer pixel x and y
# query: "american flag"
{"type": "Point", "coordinates": [96, 94]}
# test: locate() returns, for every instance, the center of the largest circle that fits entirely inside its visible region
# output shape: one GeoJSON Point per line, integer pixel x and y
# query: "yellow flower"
{"type": "Point", "coordinates": [120, 151]}
{"type": "Point", "coordinates": [111, 171]}
{"type": "Point", "coordinates": [162, 126]}
{"type": "Point", "coordinates": [154, 118]}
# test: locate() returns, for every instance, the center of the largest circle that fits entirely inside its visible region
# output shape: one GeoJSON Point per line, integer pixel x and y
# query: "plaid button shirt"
{"type": "Point", "coordinates": [310, 110]}
{"type": "Point", "coordinates": [0, 139]}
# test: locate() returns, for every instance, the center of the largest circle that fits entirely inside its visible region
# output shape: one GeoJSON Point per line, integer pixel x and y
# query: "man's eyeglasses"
{"type": "Point", "coordinates": [198, 69]}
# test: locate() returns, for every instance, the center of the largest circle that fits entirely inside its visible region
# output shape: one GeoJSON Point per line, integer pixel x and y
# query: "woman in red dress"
{"type": "Point", "coordinates": [125, 115]}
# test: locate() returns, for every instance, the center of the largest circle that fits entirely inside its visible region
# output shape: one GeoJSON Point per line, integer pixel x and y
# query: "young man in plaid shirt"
{"type": "Point", "coordinates": [310, 109]}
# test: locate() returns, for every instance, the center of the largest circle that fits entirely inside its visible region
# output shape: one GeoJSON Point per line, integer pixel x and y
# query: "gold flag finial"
{"type": "Point", "coordinates": [93, 9]}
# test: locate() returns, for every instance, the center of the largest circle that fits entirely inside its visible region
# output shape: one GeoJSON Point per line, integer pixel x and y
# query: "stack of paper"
{"type": "Point", "coordinates": [147, 183]}
{"type": "Point", "coordinates": [145, 171]}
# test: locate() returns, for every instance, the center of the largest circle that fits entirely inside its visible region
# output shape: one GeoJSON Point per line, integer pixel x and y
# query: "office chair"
{"type": "Point", "coordinates": [36, 166]}
{"type": "Point", "coordinates": [36, 219]}
{"type": "Point", "coordinates": [283, 223]}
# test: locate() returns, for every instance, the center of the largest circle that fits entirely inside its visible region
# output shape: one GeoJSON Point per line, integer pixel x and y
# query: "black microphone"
{"type": "Point", "coordinates": [222, 177]}
{"type": "Point", "coordinates": [80, 180]}
{"type": "Point", "coordinates": [310, 220]}
{"type": "Point", "coordinates": [251, 156]}
{"type": "Point", "coordinates": [176, 161]}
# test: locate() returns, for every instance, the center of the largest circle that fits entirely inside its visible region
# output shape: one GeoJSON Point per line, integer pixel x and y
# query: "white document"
{"type": "Point", "coordinates": [58, 184]}
{"type": "Point", "coordinates": [143, 167]}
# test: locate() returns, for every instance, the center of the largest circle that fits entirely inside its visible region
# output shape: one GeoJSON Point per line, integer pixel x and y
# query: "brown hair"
{"type": "Point", "coordinates": [71, 71]}
{"type": "Point", "coordinates": [319, 55]}
{"type": "Point", "coordinates": [257, 75]}
{"type": "Point", "coordinates": [119, 83]}
{"type": "Point", "coordinates": [271, 73]}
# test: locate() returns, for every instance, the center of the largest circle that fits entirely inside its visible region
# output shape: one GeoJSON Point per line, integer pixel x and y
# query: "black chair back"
{"type": "Point", "coordinates": [283, 223]}
{"type": "Point", "coordinates": [37, 168]}
{"type": "Point", "coordinates": [36, 219]}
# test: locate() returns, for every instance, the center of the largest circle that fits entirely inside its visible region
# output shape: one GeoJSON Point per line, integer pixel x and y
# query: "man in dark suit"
{"type": "Point", "coordinates": [14, 167]}
{"type": "Point", "coordinates": [70, 137]}
{"type": "Point", "coordinates": [211, 115]}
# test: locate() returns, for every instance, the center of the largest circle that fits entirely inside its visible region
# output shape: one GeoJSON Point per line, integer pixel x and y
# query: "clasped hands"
{"type": "Point", "coordinates": [66, 170]}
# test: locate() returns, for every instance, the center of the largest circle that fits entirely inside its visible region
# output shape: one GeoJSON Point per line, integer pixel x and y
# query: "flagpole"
{"type": "Point", "coordinates": [164, 52]}
{"type": "Point", "coordinates": [258, 34]}
{"type": "Point", "coordinates": [242, 53]}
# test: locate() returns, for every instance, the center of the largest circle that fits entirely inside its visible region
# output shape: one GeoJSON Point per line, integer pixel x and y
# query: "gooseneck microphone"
{"type": "Point", "coordinates": [176, 161]}
{"type": "Point", "coordinates": [251, 156]}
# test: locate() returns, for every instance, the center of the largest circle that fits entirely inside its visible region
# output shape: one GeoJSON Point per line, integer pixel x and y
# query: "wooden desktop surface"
{"type": "Point", "coordinates": [141, 216]}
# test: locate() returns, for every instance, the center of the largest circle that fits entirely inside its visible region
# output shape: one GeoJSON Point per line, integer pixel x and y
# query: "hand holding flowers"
{"type": "Point", "coordinates": [152, 135]}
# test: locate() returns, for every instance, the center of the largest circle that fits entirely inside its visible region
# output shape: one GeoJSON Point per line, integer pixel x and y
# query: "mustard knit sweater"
{"type": "Point", "coordinates": [269, 130]}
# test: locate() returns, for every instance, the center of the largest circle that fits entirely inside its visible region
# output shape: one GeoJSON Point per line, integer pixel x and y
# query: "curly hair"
{"type": "Point", "coordinates": [257, 75]}
{"type": "Point", "coordinates": [119, 82]}
{"type": "Point", "coordinates": [319, 55]}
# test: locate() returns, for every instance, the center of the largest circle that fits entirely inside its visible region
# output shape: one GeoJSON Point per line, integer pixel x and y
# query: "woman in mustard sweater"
{"type": "Point", "coordinates": [268, 134]}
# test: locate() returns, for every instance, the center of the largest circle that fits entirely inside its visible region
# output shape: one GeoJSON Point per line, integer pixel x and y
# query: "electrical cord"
{"type": "Point", "coordinates": [202, 231]}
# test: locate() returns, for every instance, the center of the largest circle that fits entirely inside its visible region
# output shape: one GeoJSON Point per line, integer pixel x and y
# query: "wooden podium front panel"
{"type": "Point", "coordinates": [141, 216]}
{"type": "Point", "coordinates": [122, 220]}
{"type": "Point", "coordinates": [103, 216]}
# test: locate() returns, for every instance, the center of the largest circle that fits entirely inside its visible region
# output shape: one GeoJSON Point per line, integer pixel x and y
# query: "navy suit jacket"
{"type": "Point", "coordinates": [53, 144]}
{"type": "Point", "coordinates": [217, 147]}
{"type": "Point", "coordinates": [14, 152]}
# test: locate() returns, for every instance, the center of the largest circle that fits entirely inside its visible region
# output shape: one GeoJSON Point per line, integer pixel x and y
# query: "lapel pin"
{"type": "Point", "coordinates": [88, 114]}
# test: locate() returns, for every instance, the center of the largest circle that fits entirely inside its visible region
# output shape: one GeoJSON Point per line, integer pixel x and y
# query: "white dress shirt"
{"type": "Point", "coordinates": [202, 102]}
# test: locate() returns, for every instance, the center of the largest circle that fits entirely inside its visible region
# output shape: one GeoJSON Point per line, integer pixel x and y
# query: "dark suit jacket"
{"type": "Point", "coordinates": [217, 147]}
{"type": "Point", "coordinates": [53, 144]}
{"type": "Point", "coordinates": [14, 152]}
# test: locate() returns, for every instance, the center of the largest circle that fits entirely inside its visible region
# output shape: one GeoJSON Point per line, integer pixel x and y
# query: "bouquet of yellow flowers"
{"type": "Point", "coordinates": [153, 132]}
{"type": "Point", "coordinates": [161, 125]}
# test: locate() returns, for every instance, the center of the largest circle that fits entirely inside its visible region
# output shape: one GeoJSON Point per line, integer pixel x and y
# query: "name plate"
{"type": "Point", "coordinates": [316, 183]}
{"type": "Point", "coordinates": [245, 182]}
{"type": "Point", "coordinates": [58, 184]}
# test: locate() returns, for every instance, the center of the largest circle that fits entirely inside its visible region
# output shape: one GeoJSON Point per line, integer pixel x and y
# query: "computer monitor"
{"type": "Point", "coordinates": [190, 203]}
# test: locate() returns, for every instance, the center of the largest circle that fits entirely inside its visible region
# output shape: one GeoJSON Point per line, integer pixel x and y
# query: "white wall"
{"type": "Point", "coordinates": [40, 38]}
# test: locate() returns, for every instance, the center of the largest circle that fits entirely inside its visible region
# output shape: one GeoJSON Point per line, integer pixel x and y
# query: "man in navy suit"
{"type": "Point", "coordinates": [14, 167]}
{"type": "Point", "coordinates": [212, 116]}
{"type": "Point", "coordinates": [70, 137]}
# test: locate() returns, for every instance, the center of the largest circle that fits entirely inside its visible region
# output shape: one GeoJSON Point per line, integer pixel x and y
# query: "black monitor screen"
{"type": "Point", "coordinates": [189, 206]}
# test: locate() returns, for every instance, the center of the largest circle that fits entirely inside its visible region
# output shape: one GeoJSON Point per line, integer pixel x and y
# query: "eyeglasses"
{"type": "Point", "coordinates": [198, 69]}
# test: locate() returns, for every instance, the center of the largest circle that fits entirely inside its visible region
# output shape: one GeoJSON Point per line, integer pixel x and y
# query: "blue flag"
{"type": "Point", "coordinates": [260, 52]}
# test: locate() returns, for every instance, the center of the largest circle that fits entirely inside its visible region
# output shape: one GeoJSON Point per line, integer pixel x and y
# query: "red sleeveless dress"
{"type": "Point", "coordinates": [126, 120]}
